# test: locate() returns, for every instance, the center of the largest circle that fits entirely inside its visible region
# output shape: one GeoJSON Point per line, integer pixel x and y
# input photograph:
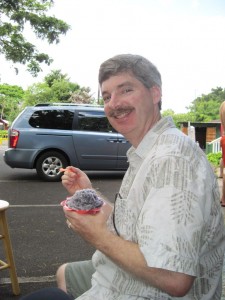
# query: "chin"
{"type": "Point", "coordinates": [123, 130]}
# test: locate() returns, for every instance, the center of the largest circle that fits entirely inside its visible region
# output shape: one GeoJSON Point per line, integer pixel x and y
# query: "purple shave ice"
{"type": "Point", "coordinates": [85, 199]}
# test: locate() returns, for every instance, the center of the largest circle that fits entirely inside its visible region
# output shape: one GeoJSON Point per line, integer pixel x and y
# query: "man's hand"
{"type": "Point", "coordinates": [74, 179]}
{"type": "Point", "coordinates": [90, 227]}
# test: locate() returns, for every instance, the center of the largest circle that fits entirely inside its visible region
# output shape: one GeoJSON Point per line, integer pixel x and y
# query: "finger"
{"type": "Point", "coordinates": [68, 170]}
{"type": "Point", "coordinates": [72, 169]}
{"type": "Point", "coordinates": [68, 224]}
{"type": "Point", "coordinates": [107, 208]}
{"type": "Point", "coordinates": [70, 214]}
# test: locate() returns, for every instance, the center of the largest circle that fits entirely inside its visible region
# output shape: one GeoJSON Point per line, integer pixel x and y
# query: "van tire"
{"type": "Point", "coordinates": [48, 166]}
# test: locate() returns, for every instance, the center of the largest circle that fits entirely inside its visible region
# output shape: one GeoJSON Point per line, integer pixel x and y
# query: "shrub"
{"type": "Point", "coordinates": [214, 158]}
{"type": "Point", "coordinates": [3, 134]}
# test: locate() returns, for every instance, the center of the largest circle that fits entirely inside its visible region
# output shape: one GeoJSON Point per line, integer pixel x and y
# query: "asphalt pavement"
{"type": "Point", "coordinates": [40, 239]}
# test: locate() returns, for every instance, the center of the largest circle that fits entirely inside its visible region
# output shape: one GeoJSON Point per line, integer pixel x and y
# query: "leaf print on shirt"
{"type": "Point", "coordinates": [182, 205]}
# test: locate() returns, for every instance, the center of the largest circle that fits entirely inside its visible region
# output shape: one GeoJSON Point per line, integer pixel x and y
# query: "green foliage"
{"type": "Point", "coordinates": [100, 101]}
{"type": "Point", "coordinates": [82, 96]}
{"type": "Point", "coordinates": [13, 44]}
{"type": "Point", "coordinates": [202, 109]}
{"type": "Point", "coordinates": [178, 117]}
{"type": "Point", "coordinates": [206, 107]}
{"type": "Point", "coordinates": [63, 89]}
{"type": "Point", "coordinates": [38, 93]}
{"type": "Point", "coordinates": [214, 158]}
{"type": "Point", "coordinates": [55, 75]}
{"type": "Point", "coordinates": [3, 134]}
{"type": "Point", "coordinates": [56, 88]}
{"type": "Point", "coordinates": [11, 97]}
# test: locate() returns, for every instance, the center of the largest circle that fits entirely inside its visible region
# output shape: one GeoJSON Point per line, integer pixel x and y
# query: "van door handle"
{"type": "Point", "coordinates": [112, 140]}
{"type": "Point", "coordinates": [123, 141]}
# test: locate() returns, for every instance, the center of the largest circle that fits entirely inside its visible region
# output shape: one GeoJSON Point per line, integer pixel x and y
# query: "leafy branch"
{"type": "Point", "coordinates": [13, 44]}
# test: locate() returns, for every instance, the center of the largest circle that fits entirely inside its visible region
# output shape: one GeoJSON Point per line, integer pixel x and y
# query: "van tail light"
{"type": "Point", "coordinates": [14, 138]}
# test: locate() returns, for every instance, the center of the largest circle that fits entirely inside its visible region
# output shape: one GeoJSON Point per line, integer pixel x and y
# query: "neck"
{"type": "Point", "coordinates": [136, 140]}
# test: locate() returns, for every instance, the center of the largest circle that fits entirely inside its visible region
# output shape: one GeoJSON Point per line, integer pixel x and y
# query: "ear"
{"type": "Point", "coordinates": [156, 94]}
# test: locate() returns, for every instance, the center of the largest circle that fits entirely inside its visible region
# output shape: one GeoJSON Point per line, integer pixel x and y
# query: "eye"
{"type": "Point", "coordinates": [106, 98]}
{"type": "Point", "coordinates": [127, 90]}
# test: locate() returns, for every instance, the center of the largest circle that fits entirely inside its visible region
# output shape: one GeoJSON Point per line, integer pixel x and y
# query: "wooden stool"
{"type": "Point", "coordinates": [4, 235]}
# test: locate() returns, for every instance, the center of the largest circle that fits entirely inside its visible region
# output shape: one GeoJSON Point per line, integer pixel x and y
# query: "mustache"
{"type": "Point", "coordinates": [119, 111]}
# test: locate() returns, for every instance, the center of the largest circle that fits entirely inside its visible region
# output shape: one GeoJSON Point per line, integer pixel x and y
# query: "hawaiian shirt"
{"type": "Point", "coordinates": [169, 204]}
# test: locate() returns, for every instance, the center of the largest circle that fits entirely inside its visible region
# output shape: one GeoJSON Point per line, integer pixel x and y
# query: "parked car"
{"type": "Point", "coordinates": [48, 137]}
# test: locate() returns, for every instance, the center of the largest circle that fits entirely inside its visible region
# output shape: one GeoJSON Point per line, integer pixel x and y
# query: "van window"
{"type": "Point", "coordinates": [52, 119]}
{"type": "Point", "coordinates": [93, 121]}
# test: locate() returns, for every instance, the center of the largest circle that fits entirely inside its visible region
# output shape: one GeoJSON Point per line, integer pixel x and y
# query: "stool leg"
{"type": "Point", "coordinates": [9, 254]}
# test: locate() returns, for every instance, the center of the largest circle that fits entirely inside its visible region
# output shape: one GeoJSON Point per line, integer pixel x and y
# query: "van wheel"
{"type": "Point", "coordinates": [48, 165]}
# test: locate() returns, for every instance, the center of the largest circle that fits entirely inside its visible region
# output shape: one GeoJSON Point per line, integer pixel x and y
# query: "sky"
{"type": "Point", "coordinates": [185, 39]}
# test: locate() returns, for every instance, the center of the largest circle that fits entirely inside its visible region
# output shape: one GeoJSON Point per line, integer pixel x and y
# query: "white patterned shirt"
{"type": "Point", "coordinates": [169, 204]}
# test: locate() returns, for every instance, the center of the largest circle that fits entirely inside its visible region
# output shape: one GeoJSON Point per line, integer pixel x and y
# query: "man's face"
{"type": "Point", "coordinates": [132, 109]}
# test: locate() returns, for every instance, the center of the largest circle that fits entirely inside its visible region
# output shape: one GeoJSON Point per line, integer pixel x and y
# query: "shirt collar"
{"type": "Point", "coordinates": [150, 138]}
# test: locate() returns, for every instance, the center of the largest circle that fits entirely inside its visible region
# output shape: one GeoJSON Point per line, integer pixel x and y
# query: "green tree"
{"type": "Point", "coordinates": [55, 75]}
{"type": "Point", "coordinates": [178, 118]}
{"type": "Point", "coordinates": [61, 85]}
{"type": "Point", "coordinates": [206, 107]}
{"type": "Point", "coordinates": [63, 89]}
{"type": "Point", "coordinates": [38, 93]}
{"type": "Point", "coordinates": [11, 97]}
{"type": "Point", "coordinates": [13, 44]}
{"type": "Point", "coordinates": [56, 87]}
{"type": "Point", "coordinates": [82, 96]}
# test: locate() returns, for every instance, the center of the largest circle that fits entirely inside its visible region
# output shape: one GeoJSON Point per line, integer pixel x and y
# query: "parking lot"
{"type": "Point", "coordinates": [40, 238]}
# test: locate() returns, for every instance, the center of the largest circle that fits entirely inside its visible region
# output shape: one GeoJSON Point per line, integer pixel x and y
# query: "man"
{"type": "Point", "coordinates": [164, 238]}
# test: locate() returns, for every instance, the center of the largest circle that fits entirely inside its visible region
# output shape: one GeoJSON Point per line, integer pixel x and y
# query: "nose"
{"type": "Point", "coordinates": [114, 101]}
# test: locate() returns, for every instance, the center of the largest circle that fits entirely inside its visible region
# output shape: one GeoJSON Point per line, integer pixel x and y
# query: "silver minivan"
{"type": "Point", "coordinates": [48, 137]}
